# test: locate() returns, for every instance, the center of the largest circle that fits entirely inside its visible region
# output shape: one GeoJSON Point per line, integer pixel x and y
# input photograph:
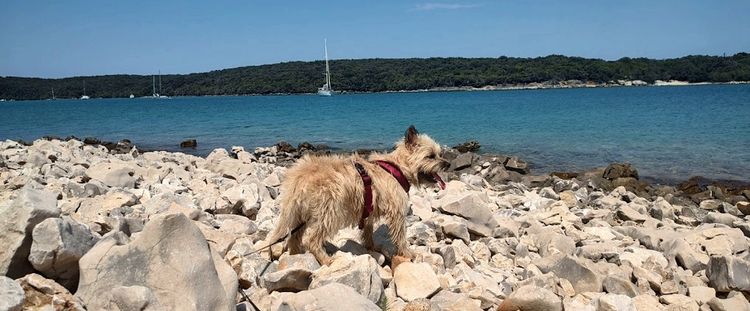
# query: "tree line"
{"type": "Point", "coordinates": [376, 75]}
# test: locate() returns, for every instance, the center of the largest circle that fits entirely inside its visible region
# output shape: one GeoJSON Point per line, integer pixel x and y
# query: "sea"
{"type": "Point", "coordinates": [668, 133]}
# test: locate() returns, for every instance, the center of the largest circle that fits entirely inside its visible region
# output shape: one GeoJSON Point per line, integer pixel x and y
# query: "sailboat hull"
{"type": "Point", "coordinates": [325, 92]}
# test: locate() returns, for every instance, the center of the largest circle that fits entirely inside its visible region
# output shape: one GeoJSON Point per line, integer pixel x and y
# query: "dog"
{"type": "Point", "coordinates": [323, 194]}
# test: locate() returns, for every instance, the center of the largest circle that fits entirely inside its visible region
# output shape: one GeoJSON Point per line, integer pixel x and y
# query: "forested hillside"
{"type": "Point", "coordinates": [374, 75]}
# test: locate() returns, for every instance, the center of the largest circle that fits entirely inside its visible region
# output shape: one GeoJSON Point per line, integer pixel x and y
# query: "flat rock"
{"type": "Point", "coordinates": [170, 257]}
{"type": "Point", "coordinates": [358, 272]}
{"type": "Point", "coordinates": [616, 285]}
{"type": "Point", "coordinates": [679, 302]}
{"type": "Point", "coordinates": [450, 301]}
{"type": "Point", "coordinates": [472, 207]}
{"type": "Point", "coordinates": [574, 270]}
{"type": "Point", "coordinates": [330, 297]}
{"type": "Point", "coordinates": [18, 218]}
{"type": "Point", "coordinates": [58, 244]}
{"type": "Point", "coordinates": [701, 294]}
{"type": "Point", "coordinates": [613, 302]}
{"type": "Point", "coordinates": [415, 281]}
{"type": "Point", "coordinates": [531, 298]}
{"type": "Point", "coordinates": [113, 174]}
{"type": "Point", "coordinates": [727, 273]}
{"type": "Point", "coordinates": [11, 294]}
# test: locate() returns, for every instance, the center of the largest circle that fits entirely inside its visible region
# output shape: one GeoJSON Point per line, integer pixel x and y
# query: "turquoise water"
{"type": "Point", "coordinates": [666, 132]}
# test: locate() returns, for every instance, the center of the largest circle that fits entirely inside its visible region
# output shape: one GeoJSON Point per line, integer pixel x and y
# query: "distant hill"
{"type": "Point", "coordinates": [376, 75]}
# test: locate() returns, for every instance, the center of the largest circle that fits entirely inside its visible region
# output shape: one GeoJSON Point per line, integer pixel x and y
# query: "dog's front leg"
{"type": "Point", "coordinates": [397, 230]}
{"type": "Point", "coordinates": [366, 234]}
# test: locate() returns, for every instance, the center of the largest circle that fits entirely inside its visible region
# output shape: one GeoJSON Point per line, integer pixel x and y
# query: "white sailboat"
{"type": "Point", "coordinates": [153, 86]}
{"type": "Point", "coordinates": [326, 89]}
{"type": "Point", "coordinates": [84, 91]}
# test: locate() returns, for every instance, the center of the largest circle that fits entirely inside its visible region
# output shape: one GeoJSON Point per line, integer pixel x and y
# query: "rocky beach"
{"type": "Point", "coordinates": [91, 226]}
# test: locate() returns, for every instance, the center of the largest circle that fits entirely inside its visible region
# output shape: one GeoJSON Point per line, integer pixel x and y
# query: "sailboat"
{"type": "Point", "coordinates": [84, 91]}
{"type": "Point", "coordinates": [153, 86]}
{"type": "Point", "coordinates": [326, 89]}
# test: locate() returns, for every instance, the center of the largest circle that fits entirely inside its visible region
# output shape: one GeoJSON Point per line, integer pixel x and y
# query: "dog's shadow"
{"type": "Point", "coordinates": [381, 239]}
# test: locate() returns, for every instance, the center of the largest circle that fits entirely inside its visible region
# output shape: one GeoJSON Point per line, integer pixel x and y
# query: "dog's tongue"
{"type": "Point", "coordinates": [439, 180]}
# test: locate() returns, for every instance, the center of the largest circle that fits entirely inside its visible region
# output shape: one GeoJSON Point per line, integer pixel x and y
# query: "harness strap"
{"type": "Point", "coordinates": [367, 181]}
{"type": "Point", "coordinates": [396, 172]}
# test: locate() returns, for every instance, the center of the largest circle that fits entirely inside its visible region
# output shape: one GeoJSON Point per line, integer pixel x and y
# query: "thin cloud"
{"type": "Point", "coordinates": [430, 6]}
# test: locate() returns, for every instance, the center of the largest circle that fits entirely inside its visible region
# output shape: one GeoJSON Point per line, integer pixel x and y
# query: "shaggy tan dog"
{"type": "Point", "coordinates": [324, 194]}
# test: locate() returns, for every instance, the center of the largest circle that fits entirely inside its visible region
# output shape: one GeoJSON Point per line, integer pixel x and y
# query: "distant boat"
{"type": "Point", "coordinates": [132, 96]}
{"type": "Point", "coordinates": [157, 95]}
{"type": "Point", "coordinates": [326, 89]}
{"type": "Point", "coordinates": [84, 91]}
{"type": "Point", "coordinates": [53, 93]}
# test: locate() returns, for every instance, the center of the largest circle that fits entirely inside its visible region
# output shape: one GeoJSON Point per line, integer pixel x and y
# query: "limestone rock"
{"type": "Point", "coordinates": [701, 294]}
{"type": "Point", "coordinates": [58, 244]}
{"type": "Point", "coordinates": [331, 297]}
{"type": "Point", "coordinates": [574, 270]}
{"type": "Point", "coordinates": [415, 280]}
{"type": "Point", "coordinates": [733, 302]}
{"type": "Point", "coordinates": [616, 285]}
{"type": "Point", "coordinates": [473, 208]}
{"type": "Point", "coordinates": [18, 218]}
{"type": "Point", "coordinates": [679, 302]}
{"type": "Point", "coordinates": [449, 301]}
{"type": "Point", "coordinates": [11, 294]}
{"type": "Point", "coordinates": [532, 298]}
{"type": "Point", "coordinates": [45, 294]}
{"type": "Point", "coordinates": [170, 257]}
{"type": "Point", "coordinates": [612, 302]}
{"type": "Point", "coordinates": [113, 174]}
{"type": "Point", "coordinates": [726, 273]}
{"type": "Point", "coordinates": [358, 272]}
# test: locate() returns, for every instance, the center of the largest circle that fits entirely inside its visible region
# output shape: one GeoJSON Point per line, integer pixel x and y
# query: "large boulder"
{"type": "Point", "coordinates": [113, 174]}
{"type": "Point", "coordinates": [575, 270]}
{"type": "Point", "coordinates": [473, 207]}
{"type": "Point", "coordinates": [331, 297]}
{"type": "Point", "coordinates": [18, 218]}
{"type": "Point", "coordinates": [727, 273]}
{"type": "Point", "coordinates": [358, 272]}
{"type": "Point", "coordinates": [58, 244]}
{"type": "Point", "coordinates": [171, 262]}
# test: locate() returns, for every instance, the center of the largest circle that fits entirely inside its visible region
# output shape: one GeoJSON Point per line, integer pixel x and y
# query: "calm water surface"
{"type": "Point", "coordinates": [666, 132]}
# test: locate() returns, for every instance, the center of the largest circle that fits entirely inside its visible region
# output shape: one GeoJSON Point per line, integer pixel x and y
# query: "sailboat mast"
{"type": "Point", "coordinates": [328, 70]}
{"type": "Point", "coordinates": [153, 85]}
{"type": "Point", "coordinates": [84, 87]}
{"type": "Point", "coordinates": [53, 93]}
{"type": "Point", "coordinates": [159, 82]}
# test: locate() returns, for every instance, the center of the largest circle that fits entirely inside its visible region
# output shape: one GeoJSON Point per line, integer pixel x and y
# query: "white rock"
{"type": "Point", "coordinates": [18, 218]}
{"type": "Point", "coordinates": [415, 280]}
{"type": "Point", "coordinates": [11, 294]}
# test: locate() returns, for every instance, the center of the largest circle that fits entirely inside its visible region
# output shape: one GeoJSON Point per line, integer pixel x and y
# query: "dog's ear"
{"type": "Point", "coordinates": [410, 138]}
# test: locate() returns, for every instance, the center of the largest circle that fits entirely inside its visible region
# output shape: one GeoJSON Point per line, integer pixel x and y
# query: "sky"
{"type": "Point", "coordinates": [72, 38]}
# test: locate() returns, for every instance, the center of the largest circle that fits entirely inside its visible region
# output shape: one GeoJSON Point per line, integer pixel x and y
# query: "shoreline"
{"type": "Point", "coordinates": [290, 152]}
{"type": "Point", "coordinates": [547, 85]}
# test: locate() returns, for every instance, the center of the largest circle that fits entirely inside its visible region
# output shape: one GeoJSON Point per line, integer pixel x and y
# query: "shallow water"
{"type": "Point", "coordinates": [666, 132]}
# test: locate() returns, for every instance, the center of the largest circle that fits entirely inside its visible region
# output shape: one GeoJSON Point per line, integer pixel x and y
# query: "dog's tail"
{"type": "Point", "coordinates": [290, 220]}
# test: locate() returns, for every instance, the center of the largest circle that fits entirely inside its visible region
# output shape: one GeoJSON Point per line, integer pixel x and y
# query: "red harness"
{"type": "Point", "coordinates": [367, 181]}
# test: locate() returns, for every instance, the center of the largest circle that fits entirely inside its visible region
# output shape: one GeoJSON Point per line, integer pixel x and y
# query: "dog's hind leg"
{"type": "Point", "coordinates": [294, 244]}
{"type": "Point", "coordinates": [315, 235]}
{"type": "Point", "coordinates": [397, 231]}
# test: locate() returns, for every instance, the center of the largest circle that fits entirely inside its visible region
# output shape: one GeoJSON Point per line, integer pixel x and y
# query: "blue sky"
{"type": "Point", "coordinates": [70, 38]}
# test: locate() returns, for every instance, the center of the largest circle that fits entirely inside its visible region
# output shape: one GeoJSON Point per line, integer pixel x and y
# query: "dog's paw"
{"type": "Point", "coordinates": [397, 260]}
